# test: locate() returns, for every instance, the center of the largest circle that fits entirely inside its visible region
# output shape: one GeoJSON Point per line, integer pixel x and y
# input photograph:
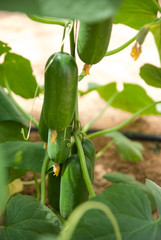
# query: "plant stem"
{"type": "Point", "coordinates": [116, 50]}
{"type": "Point", "coordinates": [76, 115]}
{"type": "Point", "coordinates": [31, 182]}
{"type": "Point", "coordinates": [104, 149]}
{"type": "Point", "coordinates": [47, 20]}
{"type": "Point", "coordinates": [87, 127]}
{"type": "Point", "coordinates": [102, 132]}
{"type": "Point", "coordinates": [37, 186]}
{"type": "Point", "coordinates": [83, 165]}
{"type": "Point", "coordinates": [153, 24]}
{"type": "Point", "coordinates": [62, 45]}
{"type": "Point", "coordinates": [74, 218]}
{"type": "Point", "coordinates": [77, 137]}
{"type": "Point", "coordinates": [43, 173]}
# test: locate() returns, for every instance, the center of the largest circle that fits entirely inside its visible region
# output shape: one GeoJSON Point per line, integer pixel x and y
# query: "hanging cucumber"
{"type": "Point", "coordinates": [93, 40]}
{"type": "Point", "coordinates": [54, 190]}
{"type": "Point", "coordinates": [43, 129]}
{"type": "Point", "coordinates": [89, 152]}
{"type": "Point", "coordinates": [61, 80]}
{"type": "Point", "coordinates": [59, 144]}
{"type": "Point", "coordinates": [73, 190]}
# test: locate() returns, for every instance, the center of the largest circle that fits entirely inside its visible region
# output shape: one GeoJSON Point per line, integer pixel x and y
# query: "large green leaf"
{"type": "Point", "coordinates": [26, 218]}
{"type": "Point", "coordinates": [131, 99]}
{"type": "Point", "coordinates": [132, 210]}
{"type": "Point", "coordinates": [157, 37]}
{"type": "Point", "coordinates": [24, 155]}
{"type": "Point", "coordinates": [136, 13]}
{"type": "Point", "coordinates": [129, 150]}
{"type": "Point", "coordinates": [156, 191]}
{"type": "Point", "coordinates": [18, 74]}
{"type": "Point", "coordinates": [124, 178]}
{"type": "Point", "coordinates": [151, 75]}
{"type": "Point", "coordinates": [11, 119]}
{"type": "Point", "coordinates": [14, 174]}
{"type": "Point", "coordinates": [3, 182]}
{"type": "Point", "coordinates": [4, 48]}
{"type": "Point", "coordinates": [1, 75]}
{"type": "Point", "coordinates": [11, 131]}
{"type": "Point", "coordinates": [91, 10]}
{"type": "Point", "coordinates": [9, 111]}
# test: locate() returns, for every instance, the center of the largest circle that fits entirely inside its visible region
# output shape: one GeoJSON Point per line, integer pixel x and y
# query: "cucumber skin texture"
{"type": "Point", "coordinates": [60, 150]}
{"type": "Point", "coordinates": [43, 129]}
{"type": "Point", "coordinates": [93, 40]}
{"type": "Point", "coordinates": [89, 152]}
{"type": "Point", "coordinates": [61, 80]}
{"type": "Point", "coordinates": [73, 190]}
{"type": "Point", "coordinates": [54, 190]}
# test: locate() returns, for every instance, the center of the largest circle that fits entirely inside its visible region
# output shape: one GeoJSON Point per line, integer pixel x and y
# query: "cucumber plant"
{"type": "Point", "coordinates": [67, 158]}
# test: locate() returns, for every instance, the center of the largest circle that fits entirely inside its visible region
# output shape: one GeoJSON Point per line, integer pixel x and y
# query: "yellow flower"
{"type": "Point", "coordinates": [56, 169]}
{"type": "Point", "coordinates": [136, 51]}
{"type": "Point", "coordinates": [86, 68]}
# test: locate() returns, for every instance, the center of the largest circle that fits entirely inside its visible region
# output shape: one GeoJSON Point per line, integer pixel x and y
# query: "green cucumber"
{"type": "Point", "coordinates": [93, 40]}
{"type": "Point", "coordinates": [61, 80]}
{"type": "Point", "coordinates": [73, 190]}
{"type": "Point", "coordinates": [54, 190]}
{"type": "Point", "coordinates": [59, 146]}
{"type": "Point", "coordinates": [43, 129]}
{"type": "Point", "coordinates": [89, 152]}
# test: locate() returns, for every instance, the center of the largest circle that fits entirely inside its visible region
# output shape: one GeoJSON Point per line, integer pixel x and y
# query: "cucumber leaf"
{"type": "Point", "coordinates": [14, 174]}
{"type": "Point", "coordinates": [91, 10]}
{"type": "Point", "coordinates": [9, 111]}
{"type": "Point", "coordinates": [18, 74]}
{"type": "Point", "coordinates": [26, 218]}
{"type": "Point", "coordinates": [132, 210]}
{"type": "Point", "coordinates": [156, 191]}
{"type": "Point", "coordinates": [151, 75]}
{"type": "Point", "coordinates": [129, 150]}
{"type": "Point", "coordinates": [4, 48]}
{"type": "Point", "coordinates": [11, 119]}
{"type": "Point", "coordinates": [131, 99]}
{"type": "Point", "coordinates": [24, 155]}
{"type": "Point", "coordinates": [11, 131]}
{"type": "Point", "coordinates": [124, 178]}
{"type": "Point", "coordinates": [157, 37]}
{"type": "Point", "coordinates": [3, 182]}
{"type": "Point", "coordinates": [136, 13]}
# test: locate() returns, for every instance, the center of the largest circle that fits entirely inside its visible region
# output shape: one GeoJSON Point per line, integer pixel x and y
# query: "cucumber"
{"type": "Point", "coordinates": [59, 145]}
{"type": "Point", "coordinates": [73, 190]}
{"type": "Point", "coordinates": [61, 80]}
{"type": "Point", "coordinates": [93, 40]}
{"type": "Point", "coordinates": [89, 152]}
{"type": "Point", "coordinates": [54, 190]}
{"type": "Point", "coordinates": [43, 129]}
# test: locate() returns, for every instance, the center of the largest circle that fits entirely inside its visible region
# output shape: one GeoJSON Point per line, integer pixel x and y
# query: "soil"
{"type": "Point", "coordinates": [37, 42]}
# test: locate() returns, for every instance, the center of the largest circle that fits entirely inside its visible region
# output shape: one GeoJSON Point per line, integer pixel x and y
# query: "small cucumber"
{"type": "Point", "coordinates": [93, 40]}
{"type": "Point", "coordinates": [59, 144]}
{"type": "Point", "coordinates": [43, 129]}
{"type": "Point", "coordinates": [73, 190]}
{"type": "Point", "coordinates": [54, 190]}
{"type": "Point", "coordinates": [61, 80]}
{"type": "Point", "coordinates": [89, 152]}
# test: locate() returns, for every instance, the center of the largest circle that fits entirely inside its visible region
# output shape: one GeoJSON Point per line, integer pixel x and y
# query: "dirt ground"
{"type": "Point", "coordinates": [37, 42]}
